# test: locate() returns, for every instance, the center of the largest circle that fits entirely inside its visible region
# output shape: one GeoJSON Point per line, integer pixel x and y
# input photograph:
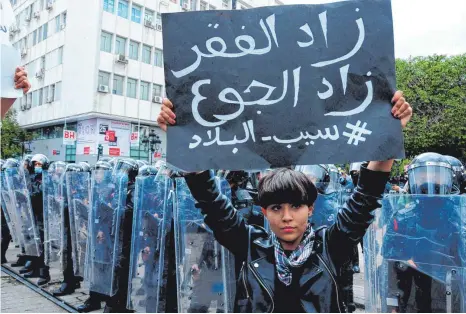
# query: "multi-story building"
{"type": "Point", "coordinates": [96, 67]}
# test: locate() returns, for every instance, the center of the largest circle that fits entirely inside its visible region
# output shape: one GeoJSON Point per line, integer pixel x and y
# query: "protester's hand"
{"type": "Point", "coordinates": [401, 108]}
{"type": "Point", "coordinates": [21, 79]}
{"type": "Point", "coordinates": [412, 263]}
{"type": "Point", "coordinates": [166, 115]}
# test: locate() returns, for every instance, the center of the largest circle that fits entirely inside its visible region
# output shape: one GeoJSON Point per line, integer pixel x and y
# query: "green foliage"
{"type": "Point", "coordinates": [435, 86]}
{"type": "Point", "coordinates": [12, 136]}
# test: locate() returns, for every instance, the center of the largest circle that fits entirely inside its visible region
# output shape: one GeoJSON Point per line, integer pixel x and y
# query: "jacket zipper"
{"type": "Point", "coordinates": [334, 281]}
{"type": "Point", "coordinates": [244, 280]}
{"type": "Point", "coordinates": [263, 286]}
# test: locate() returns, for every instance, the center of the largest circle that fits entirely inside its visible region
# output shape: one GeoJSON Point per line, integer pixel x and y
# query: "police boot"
{"type": "Point", "coordinates": [66, 288]}
{"type": "Point", "coordinates": [44, 276]}
{"type": "Point", "coordinates": [89, 305]}
{"type": "Point", "coordinates": [27, 267]}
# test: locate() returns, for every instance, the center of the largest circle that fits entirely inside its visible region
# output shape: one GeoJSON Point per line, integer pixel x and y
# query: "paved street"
{"type": "Point", "coordinates": [18, 298]}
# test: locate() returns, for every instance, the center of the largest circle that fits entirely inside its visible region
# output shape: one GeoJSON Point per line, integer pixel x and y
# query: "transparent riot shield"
{"type": "Point", "coordinates": [326, 208]}
{"type": "Point", "coordinates": [152, 215]}
{"type": "Point", "coordinates": [27, 229]}
{"type": "Point", "coordinates": [415, 258]}
{"type": "Point", "coordinates": [205, 270]}
{"type": "Point", "coordinates": [106, 218]}
{"type": "Point", "coordinates": [54, 195]}
{"type": "Point", "coordinates": [78, 186]}
{"type": "Point", "coordinates": [8, 208]}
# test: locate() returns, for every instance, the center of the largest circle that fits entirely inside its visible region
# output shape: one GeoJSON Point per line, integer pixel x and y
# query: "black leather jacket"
{"type": "Point", "coordinates": [252, 245]}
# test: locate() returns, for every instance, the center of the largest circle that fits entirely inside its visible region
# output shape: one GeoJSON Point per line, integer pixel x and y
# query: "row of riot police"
{"type": "Point", "coordinates": [133, 234]}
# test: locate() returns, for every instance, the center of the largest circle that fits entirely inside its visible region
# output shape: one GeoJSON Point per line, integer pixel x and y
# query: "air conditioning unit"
{"type": "Point", "coordinates": [24, 52]}
{"type": "Point", "coordinates": [49, 5]}
{"type": "Point", "coordinates": [22, 107]}
{"type": "Point", "coordinates": [148, 23]}
{"type": "Point", "coordinates": [103, 88]}
{"type": "Point", "coordinates": [62, 26]}
{"type": "Point", "coordinates": [185, 6]}
{"type": "Point", "coordinates": [157, 99]}
{"type": "Point", "coordinates": [49, 100]}
{"type": "Point", "coordinates": [14, 29]}
{"type": "Point", "coordinates": [158, 27]}
{"type": "Point", "coordinates": [28, 18]}
{"type": "Point", "coordinates": [28, 105]}
{"type": "Point", "coordinates": [36, 14]}
{"type": "Point", "coordinates": [122, 59]}
{"type": "Point", "coordinates": [40, 74]}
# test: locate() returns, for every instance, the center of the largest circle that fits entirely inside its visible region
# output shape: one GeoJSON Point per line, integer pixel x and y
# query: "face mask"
{"type": "Point", "coordinates": [37, 170]}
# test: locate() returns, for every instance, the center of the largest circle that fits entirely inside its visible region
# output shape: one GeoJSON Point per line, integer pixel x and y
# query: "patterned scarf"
{"type": "Point", "coordinates": [296, 258]}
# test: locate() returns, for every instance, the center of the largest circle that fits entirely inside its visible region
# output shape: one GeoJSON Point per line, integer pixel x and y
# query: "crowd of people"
{"type": "Point", "coordinates": [293, 232]}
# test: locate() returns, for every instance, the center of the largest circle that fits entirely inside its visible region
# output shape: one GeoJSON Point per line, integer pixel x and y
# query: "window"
{"type": "Point", "coordinates": [60, 55]}
{"type": "Point", "coordinates": [146, 54]}
{"type": "Point", "coordinates": [70, 156]}
{"type": "Point", "coordinates": [158, 58]}
{"type": "Point", "coordinates": [45, 29]}
{"type": "Point", "coordinates": [64, 18]}
{"type": "Point", "coordinates": [136, 13]}
{"type": "Point", "coordinates": [148, 15]}
{"type": "Point", "coordinates": [57, 23]}
{"type": "Point", "coordinates": [157, 90]}
{"type": "Point", "coordinates": [117, 85]}
{"type": "Point", "coordinates": [109, 5]}
{"type": "Point", "coordinates": [57, 91]}
{"type": "Point", "coordinates": [120, 46]}
{"type": "Point", "coordinates": [104, 78]}
{"type": "Point", "coordinates": [35, 99]}
{"type": "Point", "coordinates": [42, 62]}
{"type": "Point", "coordinates": [34, 37]}
{"type": "Point", "coordinates": [133, 50]}
{"type": "Point", "coordinates": [106, 42]}
{"type": "Point", "coordinates": [39, 34]}
{"type": "Point", "coordinates": [225, 3]}
{"type": "Point", "coordinates": [203, 6]}
{"type": "Point", "coordinates": [123, 8]}
{"type": "Point", "coordinates": [144, 91]}
{"type": "Point", "coordinates": [46, 94]}
{"type": "Point", "coordinates": [131, 88]}
{"type": "Point", "coordinates": [211, 7]}
{"type": "Point", "coordinates": [52, 92]}
{"type": "Point", "coordinates": [41, 96]}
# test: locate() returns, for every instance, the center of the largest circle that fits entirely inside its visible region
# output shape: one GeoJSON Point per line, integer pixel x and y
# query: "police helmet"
{"type": "Point", "coordinates": [142, 163]}
{"type": "Point", "coordinates": [102, 165]}
{"type": "Point", "coordinates": [324, 177]}
{"type": "Point", "coordinates": [458, 170]}
{"type": "Point", "coordinates": [128, 166]}
{"type": "Point", "coordinates": [85, 166]}
{"type": "Point", "coordinates": [10, 163]}
{"type": "Point", "coordinates": [430, 173]}
{"type": "Point", "coordinates": [147, 170]}
{"type": "Point", "coordinates": [73, 168]}
{"type": "Point", "coordinates": [42, 159]}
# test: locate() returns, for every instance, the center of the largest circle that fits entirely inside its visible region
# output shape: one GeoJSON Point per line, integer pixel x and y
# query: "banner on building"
{"type": "Point", "coordinates": [69, 137]}
{"type": "Point", "coordinates": [134, 138]}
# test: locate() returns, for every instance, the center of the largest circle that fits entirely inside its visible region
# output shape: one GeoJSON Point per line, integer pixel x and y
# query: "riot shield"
{"type": "Point", "coordinates": [415, 258]}
{"type": "Point", "coordinates": [54, 196]}
{"type": "Point", "coordinates": [205, 270]}
{"type": "Point", "coordinates": [78, 185]}
{"type": "Point", "coordinates": [152, 215]}
{"type": "Point", "coordinates": [326, 208]}
{"type": "Point", "coordinates": [27, 229]}
{"type": "Point", "coordinates": [106, 218]}
{"type": "Point", "coordinates": [8, 208]}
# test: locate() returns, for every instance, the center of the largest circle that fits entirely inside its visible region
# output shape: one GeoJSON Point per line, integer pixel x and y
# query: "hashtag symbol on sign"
{"type": "Point", "coordinates": [357, 131]}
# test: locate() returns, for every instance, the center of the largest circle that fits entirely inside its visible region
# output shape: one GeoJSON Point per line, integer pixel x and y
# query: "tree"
{"type": "Point", "coordinates": [435, 86]}
{"type": "Point", "coordinates": [12, 137]}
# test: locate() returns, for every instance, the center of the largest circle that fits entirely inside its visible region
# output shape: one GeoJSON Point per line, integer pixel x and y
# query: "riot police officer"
{"type": "Point", "coordinates": [40, 163]}
{"type": "Point", "coordinates": [6, 235]}
{"type": "Point", "coordinates": [459, 182]}
{"type": "Point", "coordinates": [424, 232]}
{"type": "Point", "coordinates": [93, 303]}
{"type": "Point", "coordinates": [70, 282]}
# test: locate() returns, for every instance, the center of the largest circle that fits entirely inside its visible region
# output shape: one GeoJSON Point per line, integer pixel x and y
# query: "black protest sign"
{"type": "Point", "coordinates": [278, 86]}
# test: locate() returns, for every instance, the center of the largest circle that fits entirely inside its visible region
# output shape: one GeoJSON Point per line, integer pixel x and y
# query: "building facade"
{"type": "Point", "coordinates": [96, 67]}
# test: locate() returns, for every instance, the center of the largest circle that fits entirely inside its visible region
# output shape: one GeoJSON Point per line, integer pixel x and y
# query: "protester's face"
{"type": "Point", "coordinates": [288, 222]}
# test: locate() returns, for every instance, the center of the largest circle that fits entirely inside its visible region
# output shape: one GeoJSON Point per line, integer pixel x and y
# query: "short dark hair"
{"type": "Point", "coordinates": [286, 186]}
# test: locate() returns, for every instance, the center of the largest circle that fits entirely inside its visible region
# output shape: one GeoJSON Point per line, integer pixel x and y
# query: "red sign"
{"type": "Point", "coordinates": [87, 150]}
{"type": "Point", "coordinates": [157, 155]}
{"type": "Point", "coordinates": [55, 152]}
{"type": "Point", "coordinates": [114, 151]}
{"type": "Point", "coordinates": [110, 136]}
{"type": "Point", "coordinates": [71, 135]}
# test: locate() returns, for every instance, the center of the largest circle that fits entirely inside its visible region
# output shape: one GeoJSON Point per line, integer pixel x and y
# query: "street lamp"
{"type": "Point", "coordinates": [151, 142]}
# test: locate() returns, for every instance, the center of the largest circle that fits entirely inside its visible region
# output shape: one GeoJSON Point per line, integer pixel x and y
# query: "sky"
{"type": "Point", "coordinates": [423, 27]}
